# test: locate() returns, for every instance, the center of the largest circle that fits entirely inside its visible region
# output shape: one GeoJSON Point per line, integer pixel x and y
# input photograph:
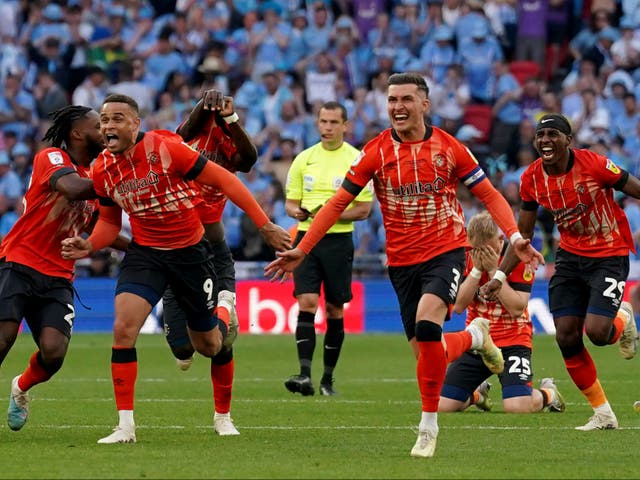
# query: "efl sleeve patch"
{"type": "Point", "coordinates": [55, 158]}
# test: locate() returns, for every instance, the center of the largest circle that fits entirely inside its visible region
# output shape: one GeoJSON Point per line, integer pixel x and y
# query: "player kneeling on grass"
{"type": "Point", "coordinates": [466, 383]}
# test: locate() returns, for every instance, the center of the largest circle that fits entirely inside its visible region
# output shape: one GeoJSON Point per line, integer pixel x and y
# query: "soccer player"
{"type": "Point", "coordinates": [147, 175]}
{"type": "Point", "coordinates": [415, 170]}
{"type": "Point", "coordinates": [214, 130]}
{"type": "Point", "coordinates": [465, 382]}
{"type": "Point", "coordinates": [314, 176]}
{"type": "Point", "coordinates": [35, 281]}
{"type": "Point", "coordinates": [592, 260]}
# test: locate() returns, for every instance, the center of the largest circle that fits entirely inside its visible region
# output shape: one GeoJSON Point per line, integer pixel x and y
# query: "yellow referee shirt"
{"type": "Point", "coordinates": [315, 176]}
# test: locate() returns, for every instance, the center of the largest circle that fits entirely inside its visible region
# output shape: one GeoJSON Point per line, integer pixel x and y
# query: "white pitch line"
{"type": "Point", "coordinates": [235, 380]}
{"type": "Point", "coordinates": [319, 427]}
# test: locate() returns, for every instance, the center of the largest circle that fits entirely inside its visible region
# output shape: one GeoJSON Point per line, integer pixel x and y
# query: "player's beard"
{"type": "Point", "coordinates": [94, 147]}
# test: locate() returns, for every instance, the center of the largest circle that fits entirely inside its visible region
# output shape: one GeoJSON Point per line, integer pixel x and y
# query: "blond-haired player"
{"type": "Point", "coordinates": [466, 383]}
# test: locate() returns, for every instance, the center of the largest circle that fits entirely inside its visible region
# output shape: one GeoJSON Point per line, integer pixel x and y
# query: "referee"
{"type": "Point", "coordinates": [314, 176]}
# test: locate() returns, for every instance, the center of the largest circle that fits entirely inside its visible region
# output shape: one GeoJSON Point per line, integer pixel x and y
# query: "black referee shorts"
{"type": "Point", "coordinates": [330, 265]}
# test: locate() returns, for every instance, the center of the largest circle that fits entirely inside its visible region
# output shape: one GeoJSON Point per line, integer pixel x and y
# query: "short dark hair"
{"type": "Point", "coordinates": [119, 98]}
{"type": "Point", "coordinates": [409, 78]}
{"type": "Point", "coordinates": [332, 105]}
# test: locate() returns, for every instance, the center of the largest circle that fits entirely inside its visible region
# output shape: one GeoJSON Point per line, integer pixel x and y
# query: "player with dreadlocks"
{"type": "Point", "coordinates": [35, 281]}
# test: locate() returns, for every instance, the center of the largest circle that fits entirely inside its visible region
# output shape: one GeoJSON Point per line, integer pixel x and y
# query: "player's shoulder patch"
{"type": "Point", "coordinates": [55, 158]}
{"type": "Point", "coordinates": [612, 167]}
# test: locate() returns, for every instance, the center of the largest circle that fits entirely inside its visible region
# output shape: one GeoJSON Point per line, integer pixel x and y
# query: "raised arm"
{"type": "Point", "coordinates": [216, 176]}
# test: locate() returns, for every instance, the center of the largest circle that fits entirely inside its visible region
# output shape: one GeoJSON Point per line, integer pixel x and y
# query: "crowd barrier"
{"type": "Point", "coordinates": [270, 308]}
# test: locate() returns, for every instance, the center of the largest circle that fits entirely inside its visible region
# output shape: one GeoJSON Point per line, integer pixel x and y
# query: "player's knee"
{"type": "Point", "coordinates": [210, 344]}
{"type": "Point", "coordinates": [568, 339]}
{"type": "Point", "coordinates": [51, 360]}
{"type": "Point", "coordinates": [598, 334]}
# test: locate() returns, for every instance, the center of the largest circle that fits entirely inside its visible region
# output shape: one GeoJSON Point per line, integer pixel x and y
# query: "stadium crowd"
{"type": "Point", "coordinates": [493, 68]}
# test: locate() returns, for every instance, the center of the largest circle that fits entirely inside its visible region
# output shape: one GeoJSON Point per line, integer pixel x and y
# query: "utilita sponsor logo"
{"type": "Point", "coordinates": [419, 188]}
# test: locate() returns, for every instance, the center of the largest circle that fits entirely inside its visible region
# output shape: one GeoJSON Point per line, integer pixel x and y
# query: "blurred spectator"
{"type": "Point", "coordinates": [239, 52]}
{"type": "Point", "coordinates": [614, 98]}
{"type": "Point", "coordinates": [531, 98]}
{"type": "Point", "coordinates": [625, 51]}
{"type": "Point", "coordinates": [92, 91]}
{"type": "Point", "coordinates": [17, 107]}
{"type": "Point", "coordinates": [9, 13]}
{"type": "Point", "coordinates": [632, 149]}
{"type": "Point", "coordinates": [50, 23]}
{"type": "Point", "coordinates": [377, 97]}
{"type": "Point", "coordinates": [433, 19]}
{"type": "Point", "coordinates": [600, 52]}
{"type": "Point", "coordinates": [10, 216]}
{"type": "Point", "coordinates": [582, 76]}
{"type": "Point", "coordinates": [297, 48]}
{"type": "Point", "coordinates": [471, 21]}
{"type": "Point", "coordinates": [364, 15]}
{"type": "Point", "coordinates": [354, 59]}
{"type": "Point", "coordinates": [590, 118]}
{"type": "Point", "coordinates": [549, 104]}
{"type": "Point", "coordinates": [624, 124]}
{"type": "Point", "coordinates": [477, 54]}
{"type": "Point", "coordinates": [451, 10]}
{"type": "Point", "coordinates": [531, 38]}
{"type": "Point", "coordinates": [317, 35]}
{"type": "Point", "coordinates": [216, 18]}
{"type": "Point", "coordinates": [164, 60]}
{"type": "Point", "coordinates": [22, 160]}
{"type": "Point", "coordinates": [448, 99]}
{"type": "Point", "coordinates": [320, 76]}
{"type": "Point", "coordinates": [106, 45]}
{"type": "Point", "coordinates": [275, 94]}
{"type": "Point", "coordinates": [11, 189]}
{"type": "Point", "coordinates": [277, 158]}
{"type": "Point", "coordinates": [49, 96]}
{"type": "Point", "coordinates": [189, 35]}
{"type": "Point", "coordinates": [507, 110]}
{"type": "Point", "coordinates": [361, 117]}
{"type": "Point", "coordinates": [558, 16]}
{"type": "Point", "coordinates": [438, 54]}
{"type": "Point", "coordinates": [55, 59]}
{"type": "Point", "coordinates": [572, 99]}
{"type": "Point", "coordinates": [383, 36]}
{"type": "Point", "coordinates": [269, 40]}
{"type": "Point", "coordinates": [127, 84]}
{"type": "Point", "coordinates": [141, 41]}
{"type": "Point", "coordinates": [588, 35]}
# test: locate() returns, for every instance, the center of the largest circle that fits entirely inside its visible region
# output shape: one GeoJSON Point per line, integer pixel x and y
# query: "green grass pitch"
{"type": "Point", "coordinates": [365, 432]}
